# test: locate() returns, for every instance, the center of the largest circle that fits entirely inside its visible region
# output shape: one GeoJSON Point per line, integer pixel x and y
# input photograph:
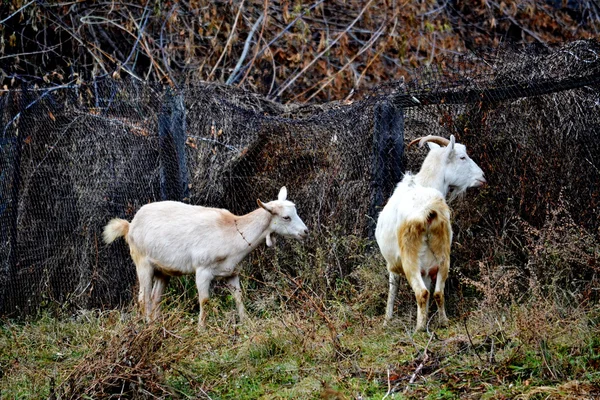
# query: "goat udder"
{"type": "Point", "coordinates": [432, 272]}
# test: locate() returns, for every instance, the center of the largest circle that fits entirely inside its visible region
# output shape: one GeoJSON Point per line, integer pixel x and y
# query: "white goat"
{"type": "Point", "coordinates": [413, 230]}
{"type": "Point", "coordinates": [169, 238]}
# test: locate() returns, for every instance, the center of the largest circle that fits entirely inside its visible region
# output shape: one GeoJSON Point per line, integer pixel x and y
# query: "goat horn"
{"type": "Point", "coordinates": [430, 138]}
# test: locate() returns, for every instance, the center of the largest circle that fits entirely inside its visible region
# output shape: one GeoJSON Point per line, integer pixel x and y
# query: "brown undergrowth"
{"type": "Point", "coordinates": [127, 363]}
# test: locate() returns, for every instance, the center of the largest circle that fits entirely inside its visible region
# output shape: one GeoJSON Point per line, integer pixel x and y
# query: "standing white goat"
{"type": "Point", "coordinates": [413, 230]}
{"type": "Point", "coordinates": [169, 238]}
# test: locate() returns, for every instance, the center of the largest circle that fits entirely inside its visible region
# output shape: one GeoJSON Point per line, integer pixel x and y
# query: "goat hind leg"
{"type": "Point", "coordinates": [422, 296]}
{"type": "Point", "coordinates": [145, 274]}
{"type": "Point", "coordinates": [160, 283]}
{"type": "Point", "coordinates": [393, 290]}
{"type": "Point", "coordinates": [438, 294]}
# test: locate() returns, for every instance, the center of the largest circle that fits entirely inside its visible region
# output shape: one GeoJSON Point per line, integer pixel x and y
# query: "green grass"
{"type": "Point", "coordinates": [292, 355]}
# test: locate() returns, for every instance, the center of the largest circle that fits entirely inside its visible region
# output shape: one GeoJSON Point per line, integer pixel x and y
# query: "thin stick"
{"type": "Point", "coordinates": [229, 39]}
{"type": "Point", "coordinates": [260, 38]}
{"type": "Point", "coordinates": [420, 367]}
{"type": "Point", "coordinates": [389, 385]}
{"type": "Point", "coordinates": [470, 341]}
{"type": "Point", "coordinates": [528, 31]}
{"type": "Point", "coordinates": [320, 310]}
{"type": "Point", "coordinates": [80, 41]}
{"type": "Point", "coordinates": [145, 46]}
{"type": "Point", "coordinates": [245, 51]}
{"type": "Point", "coordinates": [16, 12]}
{"type": "Point", "coordinates": [542, 347]}
{"type": "Point", "coordinates": [166, 331]}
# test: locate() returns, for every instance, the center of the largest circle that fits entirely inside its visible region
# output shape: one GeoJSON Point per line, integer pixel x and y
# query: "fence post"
{"type": "Point", "coordinates": [388, 148]}
{"type": "Point", "coordinates": [172, 136]}
{"type": "Point", "coordinates": [10, 185]}
{"type": "Point", "coordinates": [6, 210]}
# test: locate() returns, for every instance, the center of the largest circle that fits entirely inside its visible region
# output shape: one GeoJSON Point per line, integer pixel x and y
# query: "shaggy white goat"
{"type": "Point", "coordinates": [413, 230]}
{"type": "Point", "coordinates": [169, 238]}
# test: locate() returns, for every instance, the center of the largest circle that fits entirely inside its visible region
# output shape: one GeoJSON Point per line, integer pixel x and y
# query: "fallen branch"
{"type": "Point", "coordinates": [413, 376]}
{"type": "Point", "coordinates": [420, 367]}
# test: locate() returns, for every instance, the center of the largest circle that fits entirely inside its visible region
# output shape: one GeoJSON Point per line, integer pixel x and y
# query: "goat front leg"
{"type": "Point", "coordinates": [394, 282]}
{"type": "Point", "coordinates": [234, 285]}
{"type": "Point", "coordinates": [203, 279]}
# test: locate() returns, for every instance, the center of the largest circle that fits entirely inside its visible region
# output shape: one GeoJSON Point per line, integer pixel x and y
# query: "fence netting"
{"type": "Point", "coordinates": [73, 157]}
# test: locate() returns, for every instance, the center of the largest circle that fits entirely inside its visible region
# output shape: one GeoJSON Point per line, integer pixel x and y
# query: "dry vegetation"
{"type": "Point", "coordinates": [289, 50]}
{"type": "Point", "coordinates": [297, 346]}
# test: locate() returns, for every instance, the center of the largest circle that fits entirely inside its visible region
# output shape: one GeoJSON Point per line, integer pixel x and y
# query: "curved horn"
{"type": "Point", "coordinates": [430, 138]}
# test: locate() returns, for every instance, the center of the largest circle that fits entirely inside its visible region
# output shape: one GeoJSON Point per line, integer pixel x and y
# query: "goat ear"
{"type": "Point", "coordinates": [450, 147]}
{"type": "Point", "coordinates": [263, 205]}
{"type": "Point", "coordinates": [282, 194]}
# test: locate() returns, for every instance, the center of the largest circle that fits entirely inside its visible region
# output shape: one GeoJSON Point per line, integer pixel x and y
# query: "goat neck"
{"type": "Point", "coordinates": [432, 171]}
{"type": "Point", "coordinates": [253, 227]}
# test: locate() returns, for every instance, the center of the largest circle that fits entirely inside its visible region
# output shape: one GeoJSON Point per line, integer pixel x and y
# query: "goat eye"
{"type": "Point", "coordinates": [463, 158]}
{"type": "Point", "coordinates": [286, 218]}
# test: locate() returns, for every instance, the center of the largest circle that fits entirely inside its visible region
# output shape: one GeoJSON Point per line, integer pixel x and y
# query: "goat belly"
{"type": "Point", "coordinates": [225, 269]}
{"type": "Point", "coordinates": [166, 270]}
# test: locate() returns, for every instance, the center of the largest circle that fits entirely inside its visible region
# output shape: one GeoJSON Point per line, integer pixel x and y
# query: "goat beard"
{"type": "Point", "coordinates": [270, 240]}
{"type": "Point", "coordinates": [455, 192]}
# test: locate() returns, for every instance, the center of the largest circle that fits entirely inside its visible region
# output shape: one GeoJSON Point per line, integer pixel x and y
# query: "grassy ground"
{"type": "Point", "coordinates": [311, 350]}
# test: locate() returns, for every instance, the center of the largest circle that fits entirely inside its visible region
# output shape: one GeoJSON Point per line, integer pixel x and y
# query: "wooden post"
{"type": "Point", "coordinates": [172, 137]}
{"type": "Point", "coordinates": [388, 148]}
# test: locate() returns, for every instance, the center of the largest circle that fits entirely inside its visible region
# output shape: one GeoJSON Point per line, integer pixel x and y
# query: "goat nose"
{"type": "Point", "coordinates": [306, 231]}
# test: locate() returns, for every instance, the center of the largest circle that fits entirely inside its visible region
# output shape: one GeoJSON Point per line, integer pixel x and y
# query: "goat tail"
{"type": "Point", "coordinates": [432, 226]}
{"type": "Point", "coordinates": [116, 228]}
{"type": "Point", "coordinates": [410, 239]}
{"type": "Point", "coordinates": [439, 229]}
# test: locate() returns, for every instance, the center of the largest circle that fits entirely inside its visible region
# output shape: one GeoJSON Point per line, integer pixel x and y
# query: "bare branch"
{"type": "Point", "coordinates": [16, 12]}
{"type": "Point", "coordinates": [287, 85]}
{"type": "Point", "coordinates": [229, 39]}
{"type": "Point", "coordinates": [328, 80]}
{"type": "Point", "coordinates": [245, 52]}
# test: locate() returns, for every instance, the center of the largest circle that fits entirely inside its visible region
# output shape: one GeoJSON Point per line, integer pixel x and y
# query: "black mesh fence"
{"type": "Point", "coordinates": [73, 157]}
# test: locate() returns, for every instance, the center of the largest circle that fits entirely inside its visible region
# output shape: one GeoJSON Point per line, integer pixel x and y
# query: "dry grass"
{"type": "Point", "coordinates": [303, 345]}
